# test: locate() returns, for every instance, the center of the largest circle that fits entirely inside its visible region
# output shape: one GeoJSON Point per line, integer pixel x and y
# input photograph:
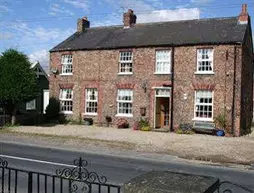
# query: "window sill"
{"type": "Point", "coordinates": [66, 74]}
{"type": "Point", "coordinates": [204, 73]}
{"type": "Point", "coordinates": [121, 74]}
{"type": "Point", "coordinates": [124, 115]}
{"type": "Point", "coordinates": [203, 119]}
{"type": "Point", "coordinates": [90, 114]}
{"type": "Point", "coordinates": [66, 112]}
{"type": "Point", "coordinates": [162, 73]}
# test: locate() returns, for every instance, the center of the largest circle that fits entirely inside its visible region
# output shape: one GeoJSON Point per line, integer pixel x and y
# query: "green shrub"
{"type": "Point", "coordinates": [185, 128]}
{"type": "Point", "coordinates": [144, 125]}
{"type": "Point", "coordinates": [52, 110]}
{"type": "Point", "coordinates": [220, 121]}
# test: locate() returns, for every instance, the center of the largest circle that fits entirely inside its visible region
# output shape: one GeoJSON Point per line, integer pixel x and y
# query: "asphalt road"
{"type": "Point", "coordinates": [118, 170]}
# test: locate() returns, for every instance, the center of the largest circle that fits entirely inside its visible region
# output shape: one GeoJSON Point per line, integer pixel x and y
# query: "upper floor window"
{"type": "Point", "coordinates": [66, 100]}
{"type": "Point", "coordinates": [67, 64]}
{"type": "Point", "coordinates": [125, 62]}
{"type": "Point", "coordinates": [163, 61]}
{"type": "Point", "coordinates": [204, 60]}
{"type": "Point", "coordinates": [204, 104]}
{"type": "Point", "coordinates": [91, 104]}
{"type": "Point", "coordinates": [124, 102]}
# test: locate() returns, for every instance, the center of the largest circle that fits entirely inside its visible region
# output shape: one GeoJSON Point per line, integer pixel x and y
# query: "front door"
{"type": "Point", "coordinates": [162, 112]}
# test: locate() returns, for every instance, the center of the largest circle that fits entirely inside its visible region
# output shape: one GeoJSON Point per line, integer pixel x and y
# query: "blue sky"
{"type": "Point", "coordinates": [36, 26]}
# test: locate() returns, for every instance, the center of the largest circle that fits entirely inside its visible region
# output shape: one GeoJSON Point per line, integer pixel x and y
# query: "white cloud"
{"type": "Point", "coordinates": [37, 41]}
{"type": "Point", "coordinates": [55, 9]}
{"type": "Point", "coordinates": [4, 8]}
{"type": "Point", "coordinates": [201, 1]}
{"type": "Point", "coordinates": [169, 15]}
{"type": "Point", "coordinates": [5, 36]}
{"type": "Point", "coordinates": [82, 4]}
{"type": "Point", "coordinates": [42, 56]}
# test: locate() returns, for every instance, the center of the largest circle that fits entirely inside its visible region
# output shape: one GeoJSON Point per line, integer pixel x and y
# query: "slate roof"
{"type": "Point", "coordinates": [189, 32]}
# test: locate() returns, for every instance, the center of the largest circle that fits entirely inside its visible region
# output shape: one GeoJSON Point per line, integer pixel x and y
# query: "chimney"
{"type": "Point", "coordinates": [83, 24]}
{"type": "Point", "coordinates": [129, 19]}
{"type": "Point", "coordinates": [244, 16]}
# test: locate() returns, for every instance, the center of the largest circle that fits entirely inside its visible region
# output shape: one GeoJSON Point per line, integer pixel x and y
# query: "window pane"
{"type": "Point", "coordinates": [205, 59]}
{"type": "Point", "coordinates": [91, 100]}
{"type": "Point", "coordinates": [65, 98]}
{"type": "Point", "coordinates": [163, 61]}
{"type": "Point", "coordinates": [67, 64]}
{"type": "Point", "coordinates": [203, 103]}
{"type": "Point", "coordinates": [124, 99]}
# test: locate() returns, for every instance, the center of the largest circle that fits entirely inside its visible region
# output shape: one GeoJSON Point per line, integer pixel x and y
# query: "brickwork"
{"type": "Point", "coordinates": [99, 69]}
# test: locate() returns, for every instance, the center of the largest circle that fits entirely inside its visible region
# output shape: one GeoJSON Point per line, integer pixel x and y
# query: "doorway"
{"type": "Point", "coordinates": [162, 108]}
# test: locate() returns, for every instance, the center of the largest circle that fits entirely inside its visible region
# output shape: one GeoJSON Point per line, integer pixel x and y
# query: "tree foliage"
{"type": "Point", "coordinates": [17, 79]}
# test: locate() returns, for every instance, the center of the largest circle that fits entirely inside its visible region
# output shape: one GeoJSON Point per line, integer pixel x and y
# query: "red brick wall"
{"type": "Point", "coordinates": [99, 69]}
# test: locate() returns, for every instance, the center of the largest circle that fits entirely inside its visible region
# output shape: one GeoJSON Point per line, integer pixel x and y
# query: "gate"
{"type": "Point", "coordinates": [69, 180]}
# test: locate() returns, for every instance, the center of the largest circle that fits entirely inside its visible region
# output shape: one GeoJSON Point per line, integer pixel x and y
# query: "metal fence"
{"type": "Point", "coordinates": [69, 180]}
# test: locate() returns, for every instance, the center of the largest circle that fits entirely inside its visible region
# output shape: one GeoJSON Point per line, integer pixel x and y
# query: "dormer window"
{"type": "Point", "coordinates": [125, 62]}
{"type": "Point", "coordinates": [67, 64]}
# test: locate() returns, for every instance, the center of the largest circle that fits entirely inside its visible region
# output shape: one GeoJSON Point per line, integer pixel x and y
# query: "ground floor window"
{"type": "Point", "coordinates": [204, 104]}
{"type": "Point", "coordinates": [66, 100]}
{"type": "Point", "coordinates": [91, 103]}
{"type": "Point", "coordinates": [31, 105]}
{"type": "Point", "coordinates": [124, 102]}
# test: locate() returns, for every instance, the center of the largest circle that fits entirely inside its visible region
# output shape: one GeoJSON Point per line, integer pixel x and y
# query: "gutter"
{"type": "Point", "coordinates": [234, 87]}
{"type": "Point", "coordinates": [144, 46]}
{"type": "Point", "coordinates": [172, 90]}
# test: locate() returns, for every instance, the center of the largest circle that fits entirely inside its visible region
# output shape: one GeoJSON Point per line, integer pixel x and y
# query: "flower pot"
{"type": "Point", "coordinates": [220, 132]}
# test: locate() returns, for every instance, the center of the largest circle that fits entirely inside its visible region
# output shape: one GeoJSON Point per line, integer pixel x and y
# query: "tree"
{"type": "Point", "coordinates": [17, 81]}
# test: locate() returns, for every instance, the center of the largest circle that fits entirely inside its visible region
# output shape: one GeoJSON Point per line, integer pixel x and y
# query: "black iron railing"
{"type": "Point", "coordinates": [69, 180]}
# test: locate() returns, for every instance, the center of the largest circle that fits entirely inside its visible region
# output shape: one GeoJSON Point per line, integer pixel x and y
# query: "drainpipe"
{"type": "Point", "coordinates": [234, 87]}
{"type": "Point", "coordinates": [172, 89]}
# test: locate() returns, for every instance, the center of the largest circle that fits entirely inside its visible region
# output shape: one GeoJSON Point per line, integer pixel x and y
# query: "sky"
{"type": "Point", "coordinates": [35, 26]}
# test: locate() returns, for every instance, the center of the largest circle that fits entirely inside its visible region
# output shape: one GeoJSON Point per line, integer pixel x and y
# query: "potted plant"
{"type": "Point", "coordinates": [144, 125]}
{"type": "Point", "coordinates": [220, 123]}
{"type": "Point", "coordinates": [108, 119]}
{"type": "Point", "coordinates": [122, 123]}
{"type": "Point", "coordinates": [88, 121]}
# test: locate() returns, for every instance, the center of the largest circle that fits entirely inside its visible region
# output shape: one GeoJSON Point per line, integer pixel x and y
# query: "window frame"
{"type": "Point", "coordinates": [87, 100]}
{"type": "Point", "coordinates": [158, 61]}
{"type": "Point", "coordinates": [66, 100]}
{"type": "Point", "coordinates": [64, 64]}
{"type": "Point", "coordinates": [211, 104]}
{"type": "Point", "coordinates": [29, 103]}
{"type": "Point", "coordinates": [124, 101]}
{"type": "Point", "coordinates": [120, 62]}
{"type": "Point", "coordinates": [204, 60]}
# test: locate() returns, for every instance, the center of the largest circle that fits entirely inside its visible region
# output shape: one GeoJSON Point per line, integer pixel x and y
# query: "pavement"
{"type": "Point", "coordinates": [127, 142]}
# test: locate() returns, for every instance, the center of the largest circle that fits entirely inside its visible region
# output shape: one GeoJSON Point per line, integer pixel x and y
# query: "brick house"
{"type": "Point", "coordinates": [169, 72]}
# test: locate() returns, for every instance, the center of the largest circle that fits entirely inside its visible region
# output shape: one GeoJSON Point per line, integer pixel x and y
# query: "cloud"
{"type": "Point", "coordinates": [201, 1]}
{"type": "Point", "coordinates": [55, 9]}
{"type": "Point", "coordinates": [83, 4]}
{"type": "Point", "coordinates": [5, 36]}
{"type": "Point", "coordinates": [37, 41]}
{"type": "Point", "coordinates": [42, 56]}
{"type": "Point", "coordinates": [4, 8]}
{"type": "Point", "coordinates": [169, 15]}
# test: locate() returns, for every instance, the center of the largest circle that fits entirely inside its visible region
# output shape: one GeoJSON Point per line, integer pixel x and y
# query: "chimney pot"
{"type": "Point", "coordinates": [244, 16]}
{"type": "Point", "coordinates": [244, 8]}
{"type": "Point", "coordinates": [129, 18]}
{"type": "Point", "coordinates": [83, 24]}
